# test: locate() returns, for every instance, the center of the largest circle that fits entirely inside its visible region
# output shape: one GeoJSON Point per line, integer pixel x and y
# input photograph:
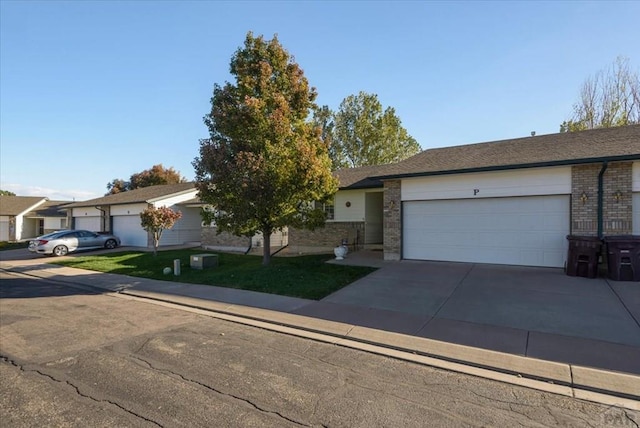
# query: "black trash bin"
{"type": "Point", "coordinates": [582, 259]}
{"type": "Point", "coordinates": [623, 257]}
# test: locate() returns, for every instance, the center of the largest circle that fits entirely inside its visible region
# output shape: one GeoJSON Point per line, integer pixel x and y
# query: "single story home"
{"type": "Point", "coordinates": [507, 202]}
{"type": "Point", "coordinates": [25, 217]}
{"type": "Point", "coordinates": [120, 214]}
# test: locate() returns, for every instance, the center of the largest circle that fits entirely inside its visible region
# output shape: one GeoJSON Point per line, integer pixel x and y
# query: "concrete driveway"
{"type": "Point", "coordinates": [537, 312]}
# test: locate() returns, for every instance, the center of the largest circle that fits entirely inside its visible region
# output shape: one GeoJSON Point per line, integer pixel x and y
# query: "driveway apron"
{"type": "Point", "coordinates": [537, 312]}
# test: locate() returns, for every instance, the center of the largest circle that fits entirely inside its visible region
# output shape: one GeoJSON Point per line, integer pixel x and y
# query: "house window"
{"type": "Point", "coordinates": [328, 208]}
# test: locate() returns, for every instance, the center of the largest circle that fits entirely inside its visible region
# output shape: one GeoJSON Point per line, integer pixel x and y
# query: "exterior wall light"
{"type": "Point", "coordinates": [617, 196]}
{"type": "Point", "coordinates": [584, 198]}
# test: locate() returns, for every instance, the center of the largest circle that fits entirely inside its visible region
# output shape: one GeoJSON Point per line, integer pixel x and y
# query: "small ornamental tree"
{"type": "Point", "coordinates": [157, 220]}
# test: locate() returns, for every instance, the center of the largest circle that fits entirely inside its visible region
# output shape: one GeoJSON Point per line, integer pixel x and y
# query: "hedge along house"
{"type": "Point", "coordinates": [120, 214]}
{"type": "Point", "coordinates": [513, 201]}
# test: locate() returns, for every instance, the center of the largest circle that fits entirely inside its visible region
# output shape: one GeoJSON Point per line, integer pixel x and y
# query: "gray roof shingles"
{"type": "Point", "coordinates": [50, 209]}
{"type": "Point", "coordinates": [553, 149]}
{"type": "Point", "coordinates": [143, 194]}
{"type": "Point", "coordinates": [14, 205]}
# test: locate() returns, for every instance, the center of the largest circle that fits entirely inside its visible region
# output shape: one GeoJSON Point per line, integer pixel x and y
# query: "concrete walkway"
{"type": "Point", "coordinates": [514, 324]}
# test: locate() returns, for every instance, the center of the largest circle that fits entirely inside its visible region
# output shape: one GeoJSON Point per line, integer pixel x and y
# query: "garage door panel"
{"type": "Point", "coordinates": [521, 231]}
{"type": "Point", "coordinates": [91, 223]}
{"type": "Point", "coordinates": [129, 230]}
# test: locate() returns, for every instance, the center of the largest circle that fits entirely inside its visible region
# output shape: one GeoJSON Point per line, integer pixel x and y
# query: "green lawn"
{"type": "Point", "coordinates": [308, 277]}
{"type": "Point", "coordinates": [4, 245]}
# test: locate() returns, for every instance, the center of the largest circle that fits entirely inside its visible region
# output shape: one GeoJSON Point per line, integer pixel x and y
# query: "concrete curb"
{"type": "Point", "coordinates": [601, 386]}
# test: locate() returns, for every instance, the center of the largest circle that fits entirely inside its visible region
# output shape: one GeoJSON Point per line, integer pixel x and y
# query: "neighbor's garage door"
{"type": "Point", "coordinates": [4, 230]}
{"type": "Point", "coordinates": [529, 231]}
{"type": "Point", "coordinates": [129, 230]}
{"type": "Point", "coordinates": [91, 223]}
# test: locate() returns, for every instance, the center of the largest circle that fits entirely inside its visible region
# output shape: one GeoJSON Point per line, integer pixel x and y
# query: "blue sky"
{"type": "Point", "coordinates": [96, 90]}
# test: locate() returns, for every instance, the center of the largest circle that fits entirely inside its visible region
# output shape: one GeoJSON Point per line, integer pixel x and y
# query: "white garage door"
{"type": "Point", "coordinates": [129, 230]}
{"type": "Point", "coordinates": [4, 230]}
{"type": "Point", "coordinates": [636, 214]}
{"type": "Point", "coordinates": [91, 223]}
{"type": "Point", "coordinates": [528, 231]}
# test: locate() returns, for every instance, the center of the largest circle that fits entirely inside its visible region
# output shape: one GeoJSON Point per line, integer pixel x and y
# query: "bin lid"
{"type": "Point", "coordinates": [583, 238]}
{"type": "Point", "coordinates": [622, 238]}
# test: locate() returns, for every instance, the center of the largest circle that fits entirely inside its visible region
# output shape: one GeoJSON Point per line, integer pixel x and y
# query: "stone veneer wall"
{"type": "Point", "coordinates": [225, 240]}
{"type": "Point", "coordinates": [392, 222]}
{"type": "Point", "coordinates": [616, 213]}
{"type": "Point", "coordinates": [325, 239]}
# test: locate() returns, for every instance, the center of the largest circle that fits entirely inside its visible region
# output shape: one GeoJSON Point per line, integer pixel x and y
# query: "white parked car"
{"type": "Point", "coordinates": [67, 241]}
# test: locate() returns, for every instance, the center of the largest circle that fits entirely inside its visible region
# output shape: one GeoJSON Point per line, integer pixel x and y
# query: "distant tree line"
{"type": "Point", "coordinates": [153, 176]}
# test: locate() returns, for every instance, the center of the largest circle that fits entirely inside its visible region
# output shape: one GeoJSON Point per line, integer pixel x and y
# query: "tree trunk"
{"type": "Point", "coordinates": [156, 241]}
{"type": "Point", "coordinates": [266, 254]}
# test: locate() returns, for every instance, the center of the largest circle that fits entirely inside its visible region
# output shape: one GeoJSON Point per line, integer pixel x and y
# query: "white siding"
{"type": "Point", "coordinates": [187, 229]}
{"type": "Point", "coordinates": [4, 228]}
{"type": "Point", "coordinates": [523, 182]}
{"type": "Point", "coordinates": [169, 202]}
{"type": "Point", "coordinates": [528, 231]}
{"type": "Point", "coordinates": [355, 210]}
{"type": "Point", "coordinates": [54, 223]}
{"type": "Point", "coordinates": [636, 213]}
{"type": "Point", "coordinates": [128, 209]}
{"type": "Point", "coordinates": [85, 212]}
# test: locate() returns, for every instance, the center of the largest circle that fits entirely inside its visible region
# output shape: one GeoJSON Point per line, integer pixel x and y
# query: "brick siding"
{"type": "Point", "coordinates": [325, 239]}
{"type": "Point", "coordinates": [392, 220]}
{"type": "Point", "coordinates": [224, 240]}
{"type": "Point", "coordinates": [616, 210]}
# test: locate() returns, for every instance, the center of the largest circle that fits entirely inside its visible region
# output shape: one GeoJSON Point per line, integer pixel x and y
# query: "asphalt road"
{"type": "Point", "coordinates": [73, 357]}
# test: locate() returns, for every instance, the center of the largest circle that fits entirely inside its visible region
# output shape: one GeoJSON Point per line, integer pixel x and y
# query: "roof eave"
{"type": "Point", "coordinates": [159, 198]}
{"type": "Point", "coordinates": [511, 167]}
{"type": "Point", "coordinates": [32, 207]}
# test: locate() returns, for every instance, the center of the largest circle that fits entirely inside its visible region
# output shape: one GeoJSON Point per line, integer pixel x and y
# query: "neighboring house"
{"type": "Point", "coordinates": [505, 202]}
{"type": "Point", "coordinates": [120, 214]}
{"type": "Point", "coordinates": [355, 216]}
{"type": "Point", "coordinates": [13, 224]}
{"type": "Point", "coordinates": [49, 217]}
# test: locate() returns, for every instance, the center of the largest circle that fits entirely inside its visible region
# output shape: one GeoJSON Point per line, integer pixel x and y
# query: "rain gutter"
{"type": "Point", "coordinates": [605, 164]}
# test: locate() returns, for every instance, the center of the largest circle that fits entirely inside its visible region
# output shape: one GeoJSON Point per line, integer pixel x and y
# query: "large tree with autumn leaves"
{"type": "Point", "coordinates": [264, 162]}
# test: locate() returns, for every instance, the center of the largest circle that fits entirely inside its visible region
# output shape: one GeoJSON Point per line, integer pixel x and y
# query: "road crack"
{"type": "Point", "coordinates": [24, 369]}
{"type": "Point", "coordinates": [226, 394]}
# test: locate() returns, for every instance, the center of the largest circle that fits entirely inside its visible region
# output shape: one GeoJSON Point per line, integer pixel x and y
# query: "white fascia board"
{"type": "Point", "coordinates": [33, 207]}
{"type": "Point", "coordinates": [191, 194]}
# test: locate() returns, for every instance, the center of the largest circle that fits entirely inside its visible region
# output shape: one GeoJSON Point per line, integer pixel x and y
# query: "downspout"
{"type": "Point", "coordinates": [103, 219]}
{"type": "Point", "coordinates": [600, 197]}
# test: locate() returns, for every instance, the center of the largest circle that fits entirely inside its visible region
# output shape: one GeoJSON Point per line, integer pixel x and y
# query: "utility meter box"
{"type": "Point", "coordinates": [204, 261]}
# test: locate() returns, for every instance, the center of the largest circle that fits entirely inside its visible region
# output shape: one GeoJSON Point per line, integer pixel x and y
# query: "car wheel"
{"type": "Point", "coordinates": [110, 244]}
{"type": "Point", "coordinates": [60, 250]}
